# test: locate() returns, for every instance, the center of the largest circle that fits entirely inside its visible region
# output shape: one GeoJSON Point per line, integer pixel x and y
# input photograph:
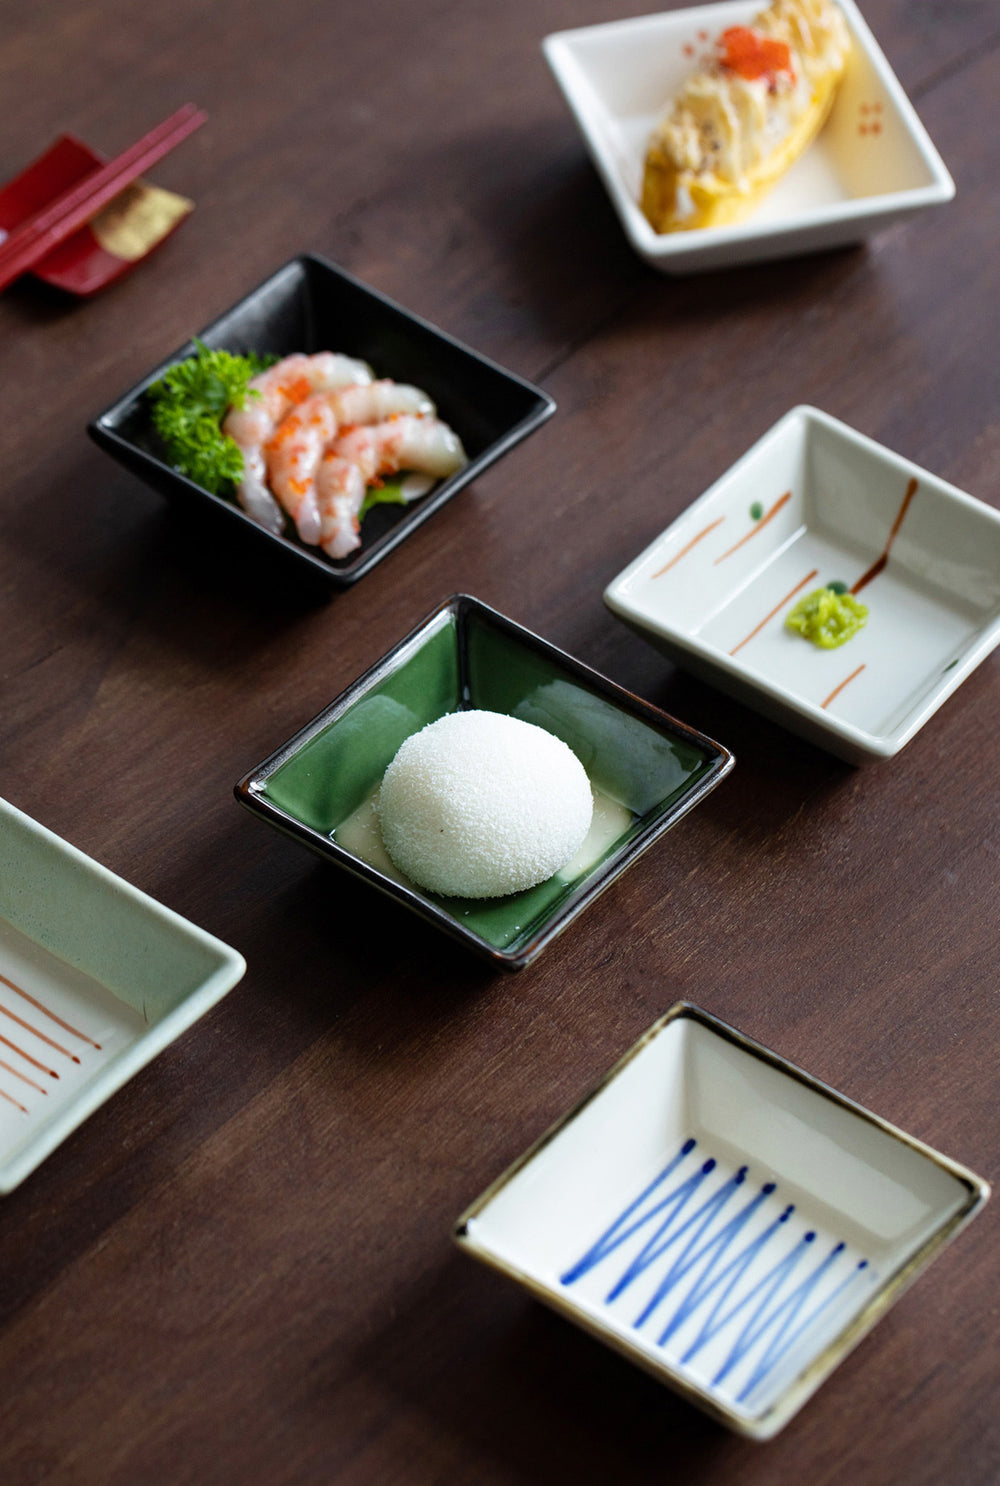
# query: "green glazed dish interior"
{"type": "Point", "coordinates": [332, 773]}
{"type": "Point", "coordinates": [464, 659]}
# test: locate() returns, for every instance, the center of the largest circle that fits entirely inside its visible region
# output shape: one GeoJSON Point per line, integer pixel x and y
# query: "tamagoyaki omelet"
{"type": "Point", "coordinates": [746, 116]}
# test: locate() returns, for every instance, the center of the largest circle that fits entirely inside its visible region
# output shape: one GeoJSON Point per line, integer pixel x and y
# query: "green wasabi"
{"type": "Point", "coordinates": [828, 617]}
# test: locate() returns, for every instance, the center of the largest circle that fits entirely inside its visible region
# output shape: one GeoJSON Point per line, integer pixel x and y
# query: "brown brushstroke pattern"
{"type": "Point", "coordinates": [686, 549]}
{"type": "Point", "coordinates": [22, 1076]}
{"type": "Point", "coordinates": [838, 689]}
{"type": "Point", "coordinates": [42, 1036]}
{"type": "Point", "coordinates": [776, 610]}
{"type": "Point", "coordinates": [880, 562]}
{"type": "Point", "coordinates": [28, 1057]}
{"type": "Point", "coordinates": [757, 526]}
{"type": "Point", "coordinates": [66, 1026]}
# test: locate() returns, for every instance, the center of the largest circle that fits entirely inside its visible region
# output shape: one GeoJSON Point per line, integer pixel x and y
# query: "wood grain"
{"type": "Point", "coordinates": [239, 1270]}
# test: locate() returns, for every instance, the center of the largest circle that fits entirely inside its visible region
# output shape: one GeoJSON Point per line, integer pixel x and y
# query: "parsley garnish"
{"type": "Point", "coordinates": [189, 403]}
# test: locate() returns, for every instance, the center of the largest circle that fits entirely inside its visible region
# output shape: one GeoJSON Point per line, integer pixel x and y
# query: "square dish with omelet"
{"type": "Point", "coordinates": [757, 101]}
{"type": "Point", "coordinates": [735, 168]}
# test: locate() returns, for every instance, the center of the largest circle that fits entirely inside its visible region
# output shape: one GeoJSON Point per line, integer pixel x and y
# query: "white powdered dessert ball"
{"type": "Point", "coordinates": [478, 804]}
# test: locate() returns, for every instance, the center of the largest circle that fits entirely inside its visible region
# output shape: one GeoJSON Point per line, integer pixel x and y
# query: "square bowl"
{"type": "Point", "coordinates": [872, 164]}
{"type": "Point", "coordinates": [96, 978]}
{"type": "Point", "coordinates": [814, 502]}
{"type": "Point", "coordinates": [721, 1218]}
{"type": "Point", "coordinates": [310, 305]}
{"type": "Point", "coordinates": [646, 769]}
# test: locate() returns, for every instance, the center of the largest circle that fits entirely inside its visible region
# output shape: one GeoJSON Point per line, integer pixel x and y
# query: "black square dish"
{"type": "Point", "coordinates": [309, 305]}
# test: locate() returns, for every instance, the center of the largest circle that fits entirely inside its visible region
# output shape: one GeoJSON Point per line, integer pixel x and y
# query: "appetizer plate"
{"type": "Point", "coordinates": [872, 164]}
{"type": "Point", "coordinates": [721, 1218]}
{"type": "Point", "coordinates": [647, 770]}
{"type": "Point", "coordinates": [309, 305]}
{"type": "Point", "coordinates": [95, 980]}
{"type": "Point", "coordinates": [812, 503]}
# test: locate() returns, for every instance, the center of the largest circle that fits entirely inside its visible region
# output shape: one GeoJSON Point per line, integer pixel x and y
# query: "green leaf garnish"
{"type": "Point", "coordinates": [389, 493]}
{"type": "Point", "coordinates": [189, 403]}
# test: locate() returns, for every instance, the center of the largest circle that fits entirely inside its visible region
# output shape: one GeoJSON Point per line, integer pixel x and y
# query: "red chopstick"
{"type": "Point", "coordinates": [38, 234]}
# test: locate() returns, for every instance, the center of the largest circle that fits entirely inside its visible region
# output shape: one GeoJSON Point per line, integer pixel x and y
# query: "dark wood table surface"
{"type": "Point", "coordinates": [239, 1270]}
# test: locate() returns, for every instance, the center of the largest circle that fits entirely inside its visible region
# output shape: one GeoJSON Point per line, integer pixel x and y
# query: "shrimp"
{"type": "Point", "coordinates": [362, 454]}
{"type": "Point", "coordinates": [377, 401]}
{"type": "Point", "coordinates": [400, 442]}
{"type": "Point", "coordinates": [293, 454]}
{"type": "Point", "coordinates": [279, 387]}
{"type": "Point", "coordinates": [341, 492]}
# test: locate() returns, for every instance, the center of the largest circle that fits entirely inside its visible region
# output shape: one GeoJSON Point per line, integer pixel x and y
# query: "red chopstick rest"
{"type": "Point", "coordinates": [119, 217]}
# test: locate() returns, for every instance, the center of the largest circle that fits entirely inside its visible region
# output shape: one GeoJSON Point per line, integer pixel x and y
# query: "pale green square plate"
{"type": "Point", "coordinates": [96, 978]}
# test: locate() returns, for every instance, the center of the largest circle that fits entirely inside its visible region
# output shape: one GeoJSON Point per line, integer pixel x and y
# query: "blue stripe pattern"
{"type": "Point", "coordinates": [727, 1265]}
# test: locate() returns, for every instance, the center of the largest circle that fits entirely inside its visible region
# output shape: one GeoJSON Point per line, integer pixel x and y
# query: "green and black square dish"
{"type": "Point", "coordinates": [647, 770]}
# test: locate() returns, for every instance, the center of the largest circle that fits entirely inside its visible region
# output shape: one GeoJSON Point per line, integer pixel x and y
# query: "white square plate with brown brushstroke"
{"type": "Point", "coordinates": [814, 504]}
{"type": "Point", "coordinates": [96, 978]}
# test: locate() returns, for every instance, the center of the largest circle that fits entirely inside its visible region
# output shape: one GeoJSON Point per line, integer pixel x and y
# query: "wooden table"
{"type": "Point", "coordinates": [239, 1270]}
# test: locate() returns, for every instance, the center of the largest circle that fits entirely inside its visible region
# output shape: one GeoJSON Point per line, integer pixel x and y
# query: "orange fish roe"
{"type": "Point", "coordinates": [284, 432]}
{"type": "Point", "coordinates": [298, 390]}
{"type": "Point", "coordinates": [751, 54]}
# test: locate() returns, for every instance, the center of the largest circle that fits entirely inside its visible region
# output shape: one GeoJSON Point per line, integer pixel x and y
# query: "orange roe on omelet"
{"type": "Point", "coordinates": [751, 54]}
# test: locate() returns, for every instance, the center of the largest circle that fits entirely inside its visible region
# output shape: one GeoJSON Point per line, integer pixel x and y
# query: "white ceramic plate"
{"type": "Point", "coordinates": [96, 978]}
{"type": "Point", "coordinates": [814, 502]}
{"type": "Point", "coordinates": [727, 1222]}
{"type": "Point", "coordinates": [872, 164]}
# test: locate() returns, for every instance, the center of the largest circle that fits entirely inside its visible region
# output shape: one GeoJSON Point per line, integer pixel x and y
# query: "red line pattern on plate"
{"type": "Point", "coordinates": [757, 526]}
{"type": "Point", "coordinates": [685, 550]}
{"type": "Point", "coordinates": [66, 1026]}
{"type": "Point", "coordinates": [22, 1076]}
{"type": "Point", "coordinates": [27, 1056]}
{"type": "Point", "coordinates": [776, 610]}
{"type": "Point", "coordinates": [42, 1036]}
{"type": "Point", "coordinates": [846, 681]}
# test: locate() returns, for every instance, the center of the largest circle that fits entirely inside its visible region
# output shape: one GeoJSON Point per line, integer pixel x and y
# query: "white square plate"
{"type": "Point", "coordinates": [721, 1218]}
{"type": "Point", "coordinates": [811, 503]}
{"type": "Point", "coordinates": [872, 164]}
{"type": "Point", "coordinates": [96, 978]}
